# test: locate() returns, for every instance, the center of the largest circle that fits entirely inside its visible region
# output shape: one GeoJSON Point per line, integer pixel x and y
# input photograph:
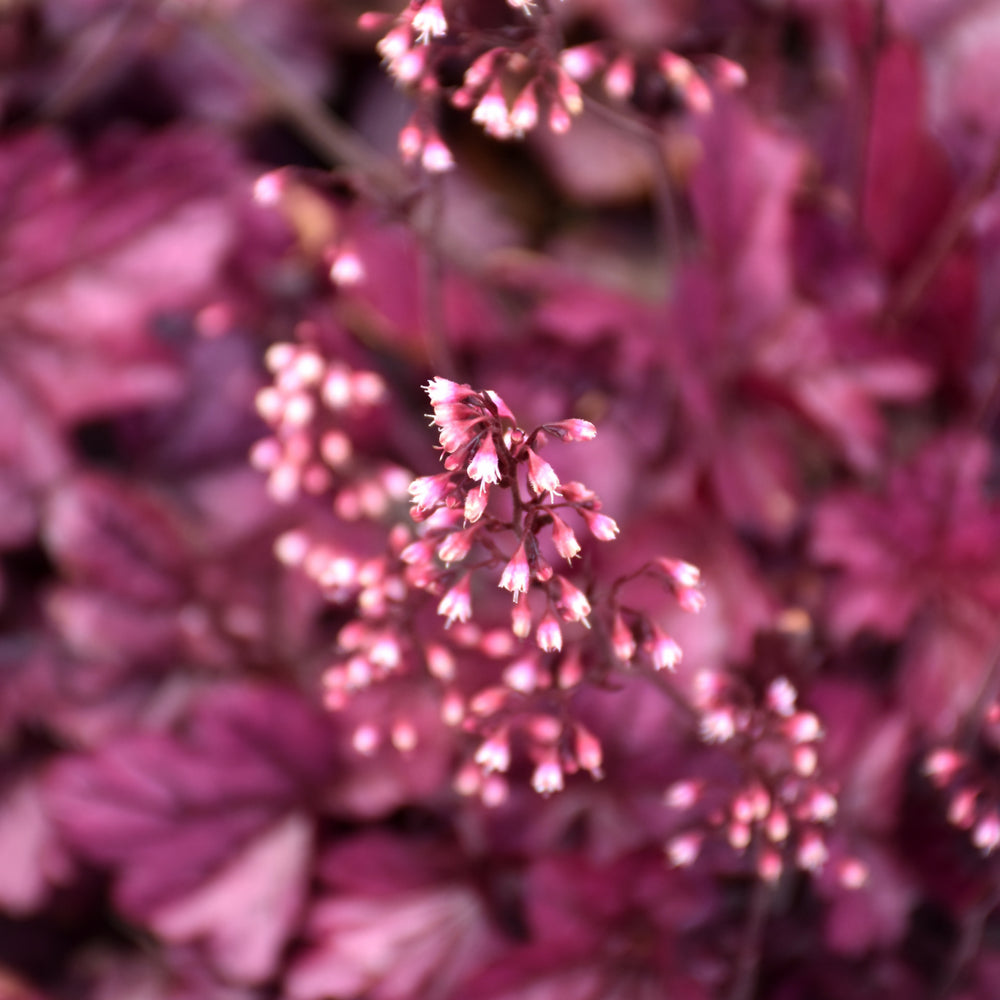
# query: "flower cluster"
{"type": "Point", "coordinates": [622, 74]}
{"type": "Point", "coordinates": [483, 448]}
{"type": "Point", "coordinates": [783, 805]}
{"type": "Point", "coordinates": [969, 786]}
{"type": "Point", "coordinates": [312, 407]}
{"type": "Point", "coordinates": [523, 76]}
{"type": "Point", "coordinates": [546, 93]}
{"type": "Point", "coordinates": [500, 511]}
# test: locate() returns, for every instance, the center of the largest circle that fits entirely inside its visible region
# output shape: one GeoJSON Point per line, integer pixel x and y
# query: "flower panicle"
{"type": "Point", "coordinates": [486, 454]}
{"type": "Point", "coordinates": [782, 803]}
{"type": "Point", "coordinates": [530, 79]}
{"type": "Point", "coordinates": [497, 516]}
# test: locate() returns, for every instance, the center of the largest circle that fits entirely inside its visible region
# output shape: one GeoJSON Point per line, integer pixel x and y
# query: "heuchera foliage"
{"type": "Point", "coordinates": [664, 663]}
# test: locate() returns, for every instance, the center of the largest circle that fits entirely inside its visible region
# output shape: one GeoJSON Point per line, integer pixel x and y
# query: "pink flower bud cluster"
{"type": "Point", "coordinates": [527, 79]}
{"type": "Point", "coordinates": [634, 634]}
{"type": "Point", "coordinates": [408, 49]}
{"type": "Point", "coordinates": [510, 94]}
{"type": "Point", "coordinates": [311, 407]}
{"type": "Point", "coordinates": [526, 704]}
{"type": "Point", "coordinates": [375, 644]}
{"type": "Point", "coordinates": [494, 522]}
{"type": "Point", "coordinates": [554, 744]}
{"type": "Point", "coordinates": [621, 72]}
{"type": "Point", "coordinates": [500, 514]}
{"type": "Point", "coordinates": [488, 458]}
{"type": "Point", "coordinates": [973, 803]}
{"type": "Point", "coordinates": [783, 807]}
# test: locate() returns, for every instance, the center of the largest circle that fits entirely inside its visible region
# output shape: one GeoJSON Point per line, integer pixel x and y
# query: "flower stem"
{"type": "Point", "coordinates": [334, 140]}
{"type": "Point", "coordinates": [748, 960]}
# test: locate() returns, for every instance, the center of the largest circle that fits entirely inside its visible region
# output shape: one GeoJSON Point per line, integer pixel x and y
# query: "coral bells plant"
{"type": "Point", "coordinates": [665, 664]}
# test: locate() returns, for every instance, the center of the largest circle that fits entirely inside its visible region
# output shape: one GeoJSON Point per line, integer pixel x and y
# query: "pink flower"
{"type": "Point", "coordinates": [769, 865]}
{"type": "Point", "coordinates": [491, 112]}
{"type": "Point", "coordinates": [986, 834]}
{"type": "Point", "coordinates": [517, 573]}
{"type": "Point", "coordinates": [572, 430]}
{"type": "Point", "coordinates": [481, 69]}
{"type": "Point", "coordinates": [619, 78]}
{"type": "Point", "coordinates": [682, 794]}
{"type": "Point", "coordinates": [418, 553]}
{"type": "Point", "coordinates": [582, 61]}
{"type": "Point", "coordinates": [812, 853]}
{"type": "Point", "coordinates": [485, 467]}
{"type": "Point", "coordinates": [548, 776]}
{"type": "Point", "coordinates": [777, 826]}
{"type": "Point", "coordinates": [663, 649]}
{"type": "Point", "coordinates": [475, 503]}
{"type": "Point", "coordinates": [395, 44]}
{"type": "Point", "coordinates": [942, 764]}
{"type": "Point", "coordinates": [717, 726]}
{"type": "Point", "coordinates": [436, 157]}
{"type": "Point", "coordinates": [728, 75]}
{"type": "Point", "coordinates": [542, 477]}
{"type": "Point", "coordinates": [455, 546]}
{"type": "Point", "coordinates": [429, 21]}
{"type": "Point", "coordinates": [524, 113]}
{"type": "Point", "coordinates": [572, 601]}
{"type": "Point", "coordinates": [691, 599]}
{"type": "Point", "coordinates": [587, 748]}
{"type": "Point", "coordinates": [683, 850]}
{"type": "Point", "coordinates": [429, 491]}
{"type": "Point", "coordinates": [781, 697]}
{"type": "Point", "coordinates": [456, 605]}
{"type": "Point", "coordinates": [520, 623]}
{"type": "Point", "coordinates": [523, 674]}
{"type": "Point", "coordinates": [577, 493]}
{"type": "Point", "coordinates": [602, 527]}
{"type": "Point", "coordinates": [623, 639]}
{"type": "Point", "coordinates": [549, 635]}
{"type": "Point", "coordinates": [410, 141]}
{"type": "Point", "coordinates": [494, 753]}
{"type": "Point", "coordinates": [456, 434]}
{"type": "Point", "coordinates": [569, 92]}
{"type": "Point", "coordinates": [565, 541]}
{"type": "Point", "coordinates": [681, 573]}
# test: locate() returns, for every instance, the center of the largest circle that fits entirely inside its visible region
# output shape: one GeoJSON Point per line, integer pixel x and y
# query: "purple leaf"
{"type": "Point", "coordinates": [909, 182]}
{"type": "Point", "coordinates": [117, 538]}
{"type": "Point", "coordinates": [928, 537]}
{"type": "Point", "coordinates": [33, 857]}
{"type": "Point", "coordinates": [397, 922]}
{"type": "Point", "coordinates": [207, 831]}
{"type": "Point", "coordinates": [245, 912]}
{"type": "Point", "coordinates": [90, 252]}
{"type": "Point", "coordinates": [578, 914]}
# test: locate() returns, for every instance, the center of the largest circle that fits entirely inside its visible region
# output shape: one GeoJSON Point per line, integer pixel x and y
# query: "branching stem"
{"type": "Point", "coordinates": [334, 140]}
{"type": "Point", "coordinates": [916, 280]}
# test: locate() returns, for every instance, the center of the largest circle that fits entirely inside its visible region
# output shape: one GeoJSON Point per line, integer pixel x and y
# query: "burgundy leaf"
{"type": "Point", "coordinates": [909, 183]}
{"type": "Point", "coordinates": [172, 815]}
{"type": "Point", "coordinates": [929, 537]}
{"type": "Point", "coordinates": [396, 923]}
{"type": "Point", "coordinates": [115, 537]}
{"type": "Point", "coordinates": [92, 251]}
{"type": "Point", "coordinates": [580, 927]}
{"type": "Point", "coordinates": [34, 858]}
